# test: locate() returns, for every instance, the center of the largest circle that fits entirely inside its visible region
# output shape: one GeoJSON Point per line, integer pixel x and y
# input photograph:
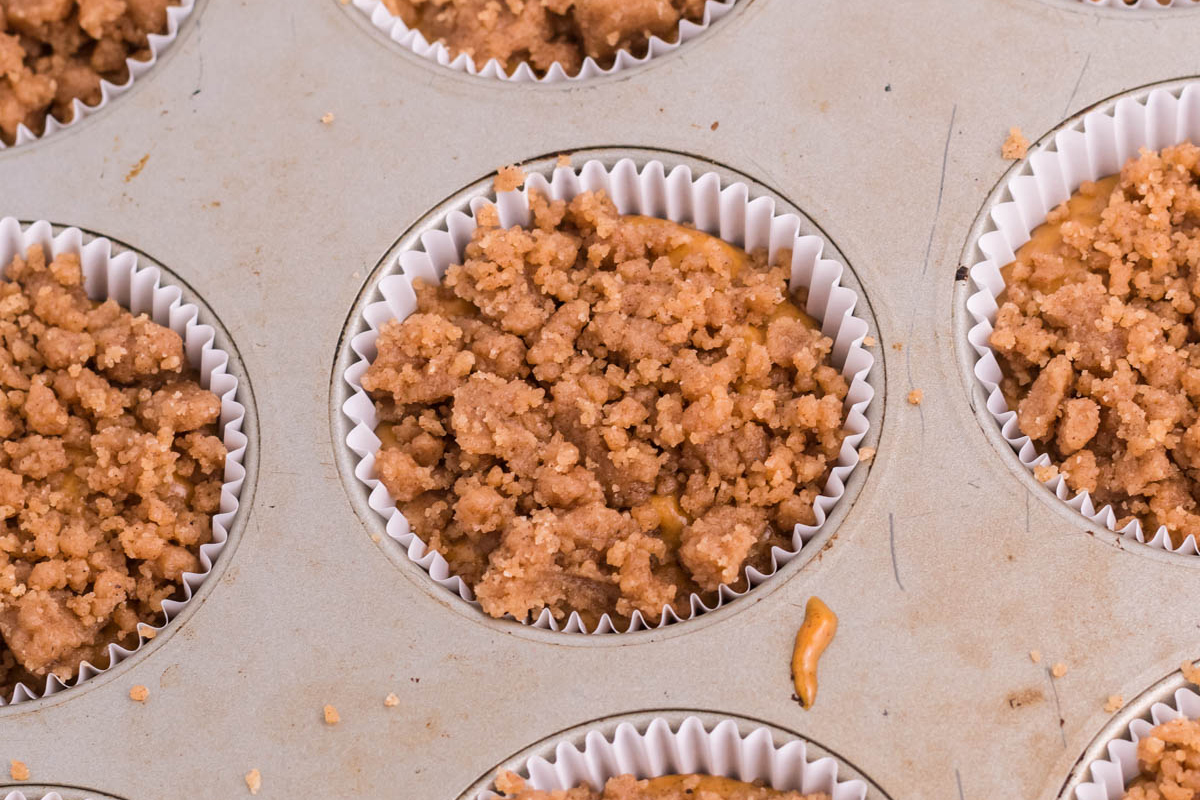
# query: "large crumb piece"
{"type": "Point", "coordinates": [18, 771]}
{"type": "Point", "coordinates": [139, 693]}
{"type": "Point", "coordinates": [1095, 335]}
{"type": "Point", "coordinates": [605, 414]}
{"type": "Point", "coordinates": [1058, 670]}
{"type": "Point", "coordinates": [1114, 702]}
{"type": "Point", "coordinates": [508, 179]}
{"type": "Point", "coordinates": [110, 471]}
{"type": "Point", "coordinates": [54, 52]}
{"type": "Point", "coordinates": [667, 787]}
{"type": "Point", "coordinates": [1015, 146]}
{"type": "Point", "coordinates": [331, 715]}
{"type": "Point", "coordinates": [1035, 656]}
{"type": "Point", "coordinates": [1169, 760]}
{"type": "Point", "coordinates": [544, 32]}
{"type": "Point", "coordinates": [916, 396]}
{"type": "Point", "coordinates": [391, 701]}
{"type": "Point", "coordinates": [253, 781]}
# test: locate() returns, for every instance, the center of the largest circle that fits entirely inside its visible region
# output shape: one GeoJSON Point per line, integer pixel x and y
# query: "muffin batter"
{"type": "Point", "coordinates": [54, 51]}
{"type": "Point", "coordinates": [605, 414]}
{"type": "Point", "coordinates": [1098, 344]}
{"type": "Point", "coordinates": [109, 471]}
{"type": "Point", "coordinates": [668, 787]}
{"type": "Point", "coordinates": [542, 32]}
{"type": "Point", "coordinates": [1169, 758]}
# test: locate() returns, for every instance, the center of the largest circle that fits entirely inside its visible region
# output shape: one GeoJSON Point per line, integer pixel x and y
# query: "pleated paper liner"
{"type": "Point", "coordinates": [728, 212]}
{"type": "Point", "coordinates": [109, 91]}
{"type": "Point", "coordinates": [412, 39]}
{"type": "Point", "coordinates": [141, 290]}
{"type": "Point", "coordinates": [1096, 146]}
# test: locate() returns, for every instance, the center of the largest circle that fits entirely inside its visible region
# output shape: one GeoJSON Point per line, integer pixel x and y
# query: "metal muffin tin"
{"type": "Point", "coordinates": [882, 123]}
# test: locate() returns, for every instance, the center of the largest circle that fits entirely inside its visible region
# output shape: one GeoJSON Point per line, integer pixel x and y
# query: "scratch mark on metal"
{"type": "Point", "coordinates": [892, 545]}
{"type": "Point", "coordinates": [958, 780]}
{"type": "Point", "coordinates": [941, 188]}
{"type": "Point", "coordinates": [1057, 708]}
{"type": "Point", "coordinates": [1078, 81]}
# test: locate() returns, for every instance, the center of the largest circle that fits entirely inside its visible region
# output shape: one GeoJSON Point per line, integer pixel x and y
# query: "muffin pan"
{"type": "Point", "coordinates": [949, 566]}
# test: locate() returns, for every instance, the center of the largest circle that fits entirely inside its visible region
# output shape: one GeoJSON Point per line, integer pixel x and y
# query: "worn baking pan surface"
{"type": "Point", "coordinates": [882, 122]}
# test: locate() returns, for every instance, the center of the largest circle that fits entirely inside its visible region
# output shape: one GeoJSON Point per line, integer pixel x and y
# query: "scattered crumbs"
{"type": "Point", "coordinates": [915, 397]}
{"type": "Point", "coordinates": [327, 117]}
{"type": "Point", "coordinates": [866, 455]}
{"type": "Point", "coordinates": [1191, 673]}
{"type": "Point", "coordinates": [1113, 702]}
{"type": "Point", "coordinates": [1058, 670]}
{"type": "Point", "coordinates": [331, 715]}
{"type": "Point", "coordinates": [18, 770]}
{"type": "Point", "coordinates": [1035, 656]}
{"type": "Point", "coordinates": [254, 777]}
{"type": "Point", "coordinates": [509, 178]}
{"type": "Point", "coordinates": [139, 693]}
{"type": "Point", "coordinates": [564, 160]}
{"type": "Point", "coordinates": [375, 538]}
{"type": "Point", "coordinates": [137, 168]}
{"type": "Point", "coordinates": [1015, 146]}
{"type": "Point", "coordinates": [391, 701]}
{"type": "Point", "coordinates": [715, 125]}
{"type": "Point", "coordinates": [869, 341]}
{"type": "Point", "coordinates": [1045, 472]}
{"type": "Point", "coordinates": [147, 632]}
{"type": "Point", "coordinates": [897, 346]}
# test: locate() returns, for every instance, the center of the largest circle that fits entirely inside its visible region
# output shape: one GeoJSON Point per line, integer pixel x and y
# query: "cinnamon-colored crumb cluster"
{"type": "Point", "coordinates": [543, 32]}
{"type": "Point", "coordinates": [109, 471]}
{"type": "Point", "coordinates": [668, 787]}
{"type": "Point", "coordinates": [1097, 341]}
{"type": "Point", "coordinates": [55, 51]}
{"type": "Point", "coordinates": [605, 414]}
{"type": "Point", "coordinates": [1169, 758]}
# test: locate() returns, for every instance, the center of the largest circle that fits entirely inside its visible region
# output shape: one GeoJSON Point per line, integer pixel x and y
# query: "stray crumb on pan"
{"type": "Point", "coordinates": [716, 125]}
{"type": "Point", "coordinates": [331, 715]}
{"type": "Point", "coordinates": [1015, 146]}
{"type": "Point", "coordinates": [1035, 656]}
{"type": "Point", "coordinates": [868, 341]}
{"type": "Point", "coordinates": [866, 455]}
{"type": "Point", "coordinates": [509, 178]}
{"type": "Point", "coordinates": [137, 168]}
{"type": "Point", "coordinates": [391, 701]}
{"type": "Point", "coordinates": [509, 782]}
{"type": "Point", "coordinates": [18, 770]}
{"type": "Point", "coordinates": [1058, 670]}
{"type": "Point", "coordinates": [375, 537]}
{"type": "Point", "coordinates": [897, 346]}
{"type": "Point", "coordinates": [147, 632]}
{"type": "Point", "coordinates": [1190, 672]}
{"type": "Point", "coordinates": [916, 396]}
{"type": "Point", "coordinates": [1045, 472]}
{"type": "Point", "coordinates": [815, 634]}
{"type": "Point", "coordinates": [564, 160]}
{"type": "Point", "coordinates": [139, 693]}
{"type": "Point", "coordinates": [253, 781]}
{"type": "Point", "coordinates": [327, 117]}
{"type": "Point", "coordinates": [1113, 702]}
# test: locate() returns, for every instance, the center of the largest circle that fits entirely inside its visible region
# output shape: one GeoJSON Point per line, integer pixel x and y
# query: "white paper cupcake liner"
{"type": "Point", "coordinates": [1111, 775]}
{"type": "Point", "coordinates": [157, 43]}
{"type": "Point", "coordinates": [691, 749]}
{"type": "Point", "coordinates": [414, 40]}
{"type": "Point", "coordinates": [20, 795]}
{"type": "Point", "coordinates": [117, 276]}
{"type": "Point", "coordinates": [1090, 149]}
{"type": "Point", "coordinates": [729, 213]}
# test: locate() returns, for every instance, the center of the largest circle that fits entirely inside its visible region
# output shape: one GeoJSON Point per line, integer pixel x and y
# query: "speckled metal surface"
{"type": "Point", "coordinates": [881, 121]}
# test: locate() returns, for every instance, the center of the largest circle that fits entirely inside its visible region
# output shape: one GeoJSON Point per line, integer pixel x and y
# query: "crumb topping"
{"type": "Point", "coordinates": [668, 787]}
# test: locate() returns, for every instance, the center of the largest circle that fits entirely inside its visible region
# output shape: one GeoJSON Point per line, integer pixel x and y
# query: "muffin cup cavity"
{"type": "Point", "coordinates": [116, 275]}
{"type": "Point", "coordinates": [157, 43]}
{"type": "Point", "coordinates": [1093, 147]}
{"type": "Point", "coordinates": [1110, 775]}
{"type": "Point", "coordinates": [412, 39]}
{"type": "Point", "coordinates": [658, 750]}
{"type": "Point", "coordinates": [727, 212]}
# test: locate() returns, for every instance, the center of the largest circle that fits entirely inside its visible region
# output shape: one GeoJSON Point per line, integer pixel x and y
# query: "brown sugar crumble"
{"type": "Point", "coordinates": [139, 693]}
{"type": "Point", "coordinates": [18, 771]}
{"type": "Point", "coordinates": [508, 178]}
{"type": "Point", "coordinates": [605, 413]}
{"type": "Point", "coordinates": [1191, 672]}
{"type": "Point", "coordinates": [1015, 146]}
{"type": "Point", "coordinates": [1035, 656]}
{"type": "Point", "coordinates": [544, 32]}
{"type": "Point", "coordinates": [53, 52]}
{"type": "Point", "coordinates": [1169, 760]}
{"type": "Point", "coordinates": [331, 715]}
{"type": "Point", "coordinates": [327, 118]}
{"type": "Point", "coordinates": [866, 455]}
{"type": "Point", "coordinates": [869, 341]}
{"type": "Point", "coordinates": [253, 781]}
{"type": "Point", "coordinates": [668, 787]}
{"type": "Point", "coordinates": [1058, 670]}
{"type": "Point", "coordinates": [391, 701]}
{"type": "Point", "coordinates": [1096, 340]}
{"type": "Point", "coordinates": [916, 396]}
{"type": "Point", "coordinates": [1114, 702]}
{"type": "Point", "coordinates": [109, 471]}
